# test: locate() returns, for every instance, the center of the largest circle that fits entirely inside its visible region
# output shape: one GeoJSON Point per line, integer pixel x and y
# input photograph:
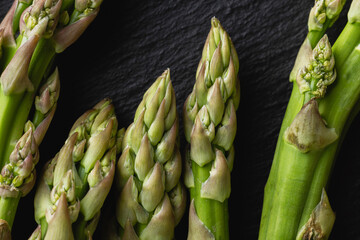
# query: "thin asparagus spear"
{"type": "Point", "coordinates": [17, 177]}
{"type": "Point", "coordinates": [210, 128]}
{"type": "Point", "coordinates": [152, 199]}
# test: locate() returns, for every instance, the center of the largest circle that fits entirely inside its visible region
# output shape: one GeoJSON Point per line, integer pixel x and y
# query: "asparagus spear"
{"type": "Point", "coordinates": [43, 28]}
{"type": "Point", "coordinates": [152, 199]}
{"type": "Point", "coordinates": [67, 206]}
{"type": "Point", "coordinates": [17, 177]}
{"type": "Point", "coordinates": [297, 177]}
{"type": "Point", "coordinates": [210, 128]}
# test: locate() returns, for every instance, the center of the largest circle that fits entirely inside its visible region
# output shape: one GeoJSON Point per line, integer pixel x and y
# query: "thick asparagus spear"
{"type": "Point", "coordinates": [152, 199]}
{"type": "Point", "coordinates": [210, 128]}
{"type": "Point", "coordinates": [67, 206]}
{"type": "Point", "coordinates": [317, 25]}
{"type": "Point", "coordinates": [297, 177]}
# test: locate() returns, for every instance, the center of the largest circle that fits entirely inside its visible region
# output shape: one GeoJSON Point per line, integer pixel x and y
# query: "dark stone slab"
{"type": "Point", "coordinates": [132, 42]}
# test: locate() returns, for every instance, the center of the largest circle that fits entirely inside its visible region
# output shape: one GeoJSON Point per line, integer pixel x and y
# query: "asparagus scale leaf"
{"type": "Point", "coordinates": [320, 222]}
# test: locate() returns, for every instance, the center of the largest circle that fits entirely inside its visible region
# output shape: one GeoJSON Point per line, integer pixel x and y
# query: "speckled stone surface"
{"type": "Point", "coordinates": [132, 42]}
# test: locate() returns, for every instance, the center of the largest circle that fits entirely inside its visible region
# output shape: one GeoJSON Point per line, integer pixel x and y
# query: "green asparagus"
{"type": "Point", "coordinates": [31, 34]}
{"type": "Point", "coordinates": [152, 200]}
{"type": "Point", "coordinates": [313, 127]}
{"type": "Point", "coordinates": [77, 180]}
{"type": "Point", "coordinates": [210, 128]}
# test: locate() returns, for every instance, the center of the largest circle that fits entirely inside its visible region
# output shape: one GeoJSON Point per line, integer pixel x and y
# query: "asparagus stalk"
{"type": "Point", "coordinates": [210, 128]}
{"type": "Point", "coordinates": [152, 198]}
{"type": "Point", "coordinates": [67, 206]}
{"type": "Point", "coordinates": [297, 178]}
{"type": "Point", "coordinates": [44, 28]}
{"type": "Point", "coordinates": [318, 23]}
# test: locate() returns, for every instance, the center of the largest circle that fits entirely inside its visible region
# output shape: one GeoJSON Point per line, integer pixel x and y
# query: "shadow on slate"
{"type": "Point", "coordinates": [130, 43]}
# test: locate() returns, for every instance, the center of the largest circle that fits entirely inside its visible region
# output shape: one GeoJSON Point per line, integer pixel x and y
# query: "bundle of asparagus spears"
{"type": "Point", "coordinates": [31, 34]}
{"type": "Point", "coordinates": [326, 90]}
{"type": "Point", "coordinates": [151, 197]}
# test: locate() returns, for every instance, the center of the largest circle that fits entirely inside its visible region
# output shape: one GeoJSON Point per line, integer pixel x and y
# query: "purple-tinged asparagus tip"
{"type": "Point", "coordinates": [41, 18]}
{"type": "Point", "coordinates": [66, 36]}
{"type": "Point", "coordinates": [15, 78]}
{"type": "Point", "coordinates": [49, 93]}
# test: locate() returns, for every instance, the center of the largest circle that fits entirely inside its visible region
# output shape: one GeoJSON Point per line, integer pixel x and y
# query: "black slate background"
{"type": "Point", "coordinates": [132, 42]}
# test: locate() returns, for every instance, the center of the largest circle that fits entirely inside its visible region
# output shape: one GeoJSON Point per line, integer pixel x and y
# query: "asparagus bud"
{"type": "Point", "coordinates": [322, 10]}
{"type": "Point", "coordinates": [48, 93]}
{"type": "Point", "coordinates": [66, 187]}
{"type": "Point", "coordinates": [40, 18]}
{"type": "Point", "coordinates": [314, 77]}
{"type": "Point", "coordinates": [19, 174]}
{"type": "Point", "coordinates": [149, 167]}
{"type": "Point", "coordinates": [84, 13]}
{"type": "Point", "coordinates": [85, 6]}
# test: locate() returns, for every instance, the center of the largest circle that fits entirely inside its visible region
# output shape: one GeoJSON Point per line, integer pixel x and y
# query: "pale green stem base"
{"type": "Point", "coordinates": [8, 208]}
